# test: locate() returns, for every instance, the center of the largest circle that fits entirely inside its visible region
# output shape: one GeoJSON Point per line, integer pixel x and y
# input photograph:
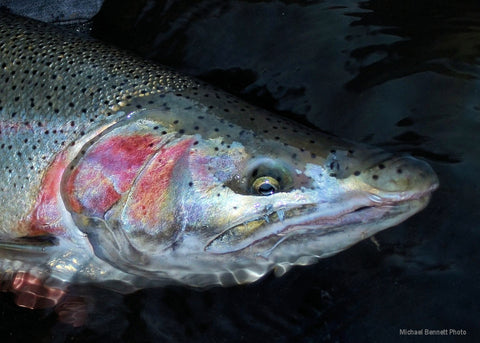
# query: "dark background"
{"type": "Point", "coordinates": [400, 74]}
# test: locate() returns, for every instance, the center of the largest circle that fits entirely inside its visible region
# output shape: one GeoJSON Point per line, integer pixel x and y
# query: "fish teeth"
{"type": "Point", "coordinates": [375, 198]}
{"type": "Point", "coordinates": [281, 215]}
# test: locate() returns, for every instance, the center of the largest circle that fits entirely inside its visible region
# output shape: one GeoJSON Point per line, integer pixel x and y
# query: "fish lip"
{"type": "Point", "coordinates": [369, 214]}
{"type": "Point", "coordinates": [388, 198]}
{"type": "Point", "coordinates": [378, 207]}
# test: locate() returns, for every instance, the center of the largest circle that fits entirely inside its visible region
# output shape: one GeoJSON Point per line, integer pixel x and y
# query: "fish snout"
{"type": "Point", "coordinates": [402, 174]}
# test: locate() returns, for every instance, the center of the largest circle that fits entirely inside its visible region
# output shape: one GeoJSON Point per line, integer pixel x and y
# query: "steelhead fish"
{"type": "Point", "coordinates": [120, 172]}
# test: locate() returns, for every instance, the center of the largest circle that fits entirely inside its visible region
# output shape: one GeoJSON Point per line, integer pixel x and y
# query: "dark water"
{"type": "Point", "coordinates": [400, 74]}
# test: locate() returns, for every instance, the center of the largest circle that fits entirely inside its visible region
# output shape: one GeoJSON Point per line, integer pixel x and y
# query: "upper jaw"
{"type": "Point", "coordinates": [242, 234]}
{"type": "Point", "coordinates": [366, 207]}
{"type": "Point", "coordinates": [385, 198]}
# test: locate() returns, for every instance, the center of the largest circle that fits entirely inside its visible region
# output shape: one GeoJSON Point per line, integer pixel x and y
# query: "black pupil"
{"type": "Point", "coordinates": [266, 189]}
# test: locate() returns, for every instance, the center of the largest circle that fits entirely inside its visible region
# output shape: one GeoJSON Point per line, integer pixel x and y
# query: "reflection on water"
{"type": "Point", "coordinates": [429, 37]}
{"type": "Point", "coordinates": [400, 74]}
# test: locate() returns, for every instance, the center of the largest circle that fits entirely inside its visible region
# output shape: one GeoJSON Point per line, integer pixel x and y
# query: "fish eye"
{"type": "Point", "coordinates": [263, 176]}
{"type": "Point", "coordinates": [266, 185]}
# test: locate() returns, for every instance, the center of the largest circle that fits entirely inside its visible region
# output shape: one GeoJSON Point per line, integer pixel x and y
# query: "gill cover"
{"type": "Point", "coordinates": [120, 190]}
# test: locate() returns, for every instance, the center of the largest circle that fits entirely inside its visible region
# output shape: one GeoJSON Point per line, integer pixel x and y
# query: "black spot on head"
{"type": "Point", "coordinates": [356, 173]}
{"type": "Point", "coordinates": [381, 166]}
{"type": "Point", "coordinates": [399, 170]}
{"type": "Point", "coordinates": [375, 177]}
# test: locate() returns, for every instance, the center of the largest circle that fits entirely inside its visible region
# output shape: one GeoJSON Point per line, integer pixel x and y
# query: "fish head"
{"type": "Point", "coordinates": [291, 210]}
{"type": "Point", "coordinates": [222, 203]}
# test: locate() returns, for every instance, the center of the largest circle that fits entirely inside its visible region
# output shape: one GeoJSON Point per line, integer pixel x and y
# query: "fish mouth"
{"type": "Point", "coordinates": [378, 210]}
{"type": "Point", "coordinates": [310, 219]}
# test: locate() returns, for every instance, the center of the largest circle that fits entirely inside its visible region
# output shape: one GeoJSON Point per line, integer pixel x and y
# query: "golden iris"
{"type": "Point", "coordinates": [266, 185]}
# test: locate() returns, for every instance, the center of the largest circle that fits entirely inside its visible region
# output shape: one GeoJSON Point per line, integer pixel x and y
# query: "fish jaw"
{"type": "Point", "coordinates": [350, 209]}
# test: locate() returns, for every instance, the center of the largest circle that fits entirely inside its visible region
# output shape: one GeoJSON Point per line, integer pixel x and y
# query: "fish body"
{"type": "Point", "coordinates": [117, 171]}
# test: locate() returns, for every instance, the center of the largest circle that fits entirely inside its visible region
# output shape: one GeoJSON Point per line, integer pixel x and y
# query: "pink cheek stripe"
{"type": "Point", "coordinates": [45, 217]}
{"type": "Point", "coordinates": [143, 209]}
{"type": "Point", "coordinates": [107, 171]}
